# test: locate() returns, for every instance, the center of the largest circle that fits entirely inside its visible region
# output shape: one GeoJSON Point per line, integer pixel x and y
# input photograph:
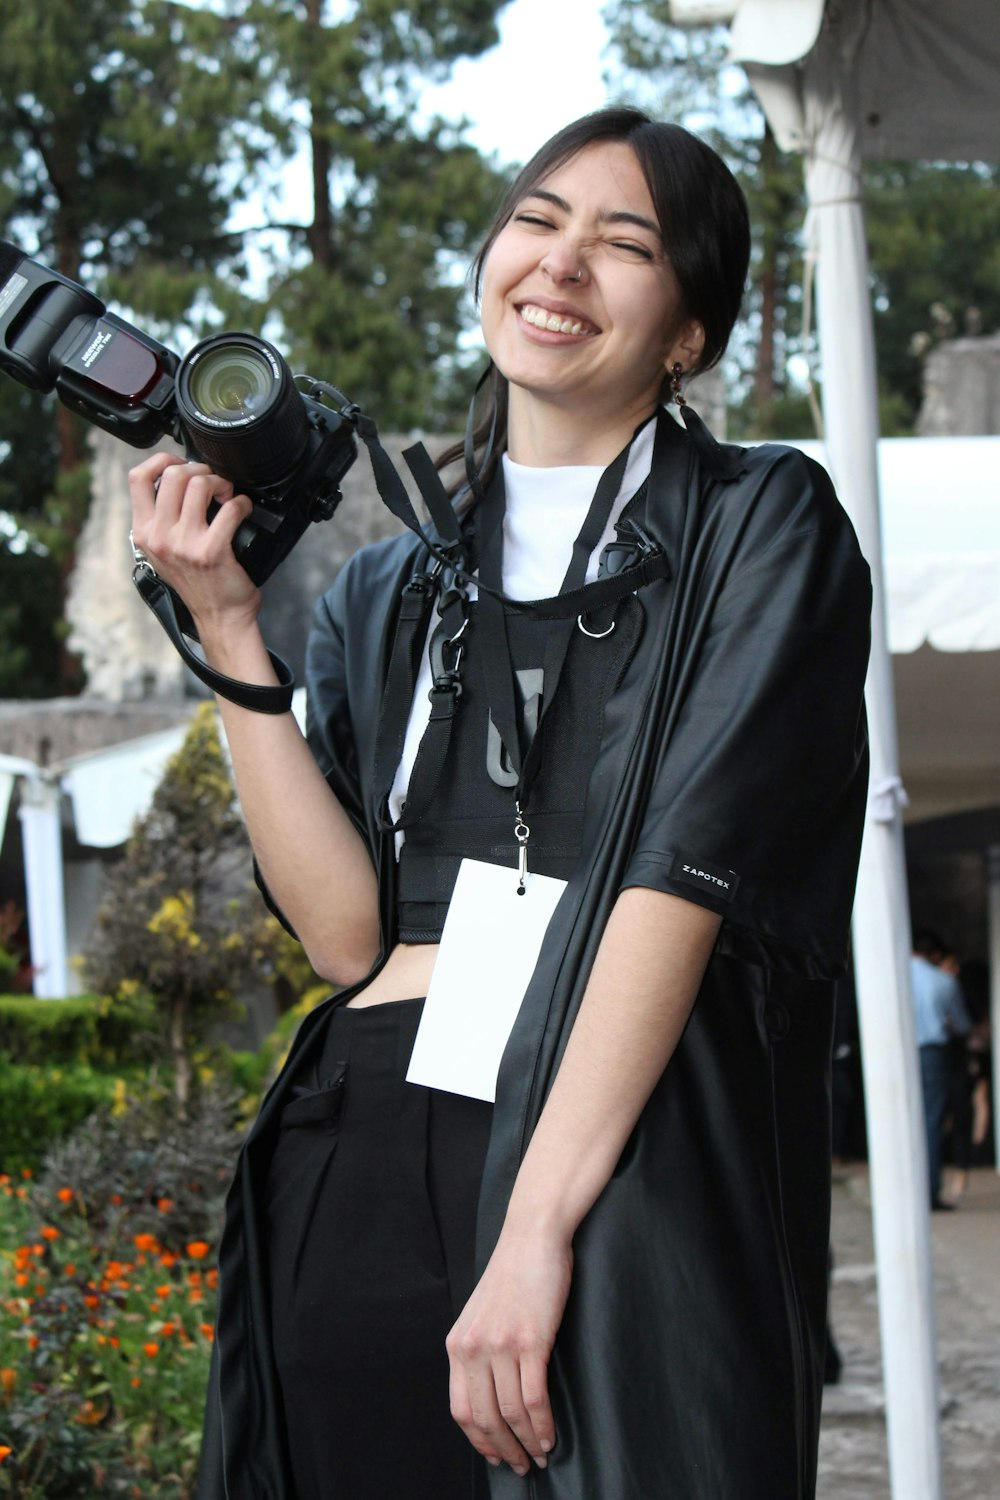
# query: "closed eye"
{"type": "Point", "coordinates": [536, 219]}
{"type": "Point", "coordinates": [641, 250]}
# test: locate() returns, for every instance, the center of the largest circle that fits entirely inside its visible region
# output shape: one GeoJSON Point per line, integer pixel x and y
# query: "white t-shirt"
{"type": "Point", "coordinates": [545, 510]}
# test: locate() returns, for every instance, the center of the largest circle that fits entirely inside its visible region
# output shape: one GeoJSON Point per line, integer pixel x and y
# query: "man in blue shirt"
{"type": "Point", "coordinates": [940, 1014]}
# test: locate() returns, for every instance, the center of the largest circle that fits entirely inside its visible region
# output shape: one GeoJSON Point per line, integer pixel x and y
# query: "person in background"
{"type": "Point", "coordinates": [941, 1016]}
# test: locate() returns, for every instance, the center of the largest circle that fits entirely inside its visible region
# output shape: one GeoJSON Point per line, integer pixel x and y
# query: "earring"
{"type": "Point", "coordinates": [676, 393]}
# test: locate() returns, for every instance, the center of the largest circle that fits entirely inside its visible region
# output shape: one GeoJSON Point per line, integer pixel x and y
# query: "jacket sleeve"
{"type": "Point", "coordinates": [756, 805]}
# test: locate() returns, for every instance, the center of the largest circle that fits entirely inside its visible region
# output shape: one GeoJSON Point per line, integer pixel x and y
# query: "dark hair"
{"type": "Point", "coordinates": [928, 943]}
{"type": "Point", "coordinates": [703, 220]}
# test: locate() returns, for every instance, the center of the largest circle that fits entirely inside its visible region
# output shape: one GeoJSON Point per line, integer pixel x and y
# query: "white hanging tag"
{"type": "Point", "coordinates": [489, 947]}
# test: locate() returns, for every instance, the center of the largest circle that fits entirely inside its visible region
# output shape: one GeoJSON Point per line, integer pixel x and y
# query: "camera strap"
{"type": "Point", "coordinates": [175, 618]}
{"type": "Point", "coordinates": [652, 564]}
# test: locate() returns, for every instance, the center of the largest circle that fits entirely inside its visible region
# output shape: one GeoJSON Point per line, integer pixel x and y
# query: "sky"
{"type": "Point", "coordinates": [545, 72]}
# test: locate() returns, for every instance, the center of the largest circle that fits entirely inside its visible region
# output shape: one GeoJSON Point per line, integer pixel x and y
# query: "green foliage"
{"type": "Point", "coordinates": [107, 1300]}
{"type": "Point", "coordinates": [94, 1029]}
{"type": "Point", "coordinates": [933, 229]}
{"type": "Point", "coordinates": [369, 284]}
{"type": "Point", "coordinates": [41, 1104]}
{"type": "Point", "coordinates": [934, 241]}
{"type": "Point", "coordinates": [179, 922]}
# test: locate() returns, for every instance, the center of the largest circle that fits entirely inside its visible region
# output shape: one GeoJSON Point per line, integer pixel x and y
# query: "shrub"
{"type": "Point", "coordinates": [106, 1033]}
{"type": "Point", "coordinates": [41, 1105]}
{"type": "Point", "coordinates": [107, 1302]}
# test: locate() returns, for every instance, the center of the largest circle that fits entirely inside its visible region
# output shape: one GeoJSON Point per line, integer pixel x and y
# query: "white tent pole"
{"type": "Point", "coordinates": [993, 937]}
{"type": "Point", "coordinates": [41, 836]}
{"type": "Point", "coordinates": [897, 1150]}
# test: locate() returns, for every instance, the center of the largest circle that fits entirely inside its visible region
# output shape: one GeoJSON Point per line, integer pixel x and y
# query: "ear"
{"type": "Point", "coordinates": [687, 346]}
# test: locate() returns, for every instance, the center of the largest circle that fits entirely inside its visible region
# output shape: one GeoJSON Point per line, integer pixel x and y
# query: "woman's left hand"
{"type": "Point", "coordinates": [500, 1349]}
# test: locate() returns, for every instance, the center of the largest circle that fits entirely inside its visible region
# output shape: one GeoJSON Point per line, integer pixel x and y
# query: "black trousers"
{"type": "Point", "coordinates": [372, 1195]}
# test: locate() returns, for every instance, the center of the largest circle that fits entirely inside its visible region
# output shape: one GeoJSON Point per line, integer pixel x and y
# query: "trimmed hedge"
{"type": "Point", "coordinates": [42, 1105]}
{"type": "Point", "coordinates": [86, 1029]}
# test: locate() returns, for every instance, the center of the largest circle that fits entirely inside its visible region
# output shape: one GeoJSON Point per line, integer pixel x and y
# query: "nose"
{"type": "Point", "coordinates": [564, 260]}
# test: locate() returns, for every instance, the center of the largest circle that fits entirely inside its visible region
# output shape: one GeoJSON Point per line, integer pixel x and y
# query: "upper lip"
{"type": "Point", "coordinates": [560, 309]}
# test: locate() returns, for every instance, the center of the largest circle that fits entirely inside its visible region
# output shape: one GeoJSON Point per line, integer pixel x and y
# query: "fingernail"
{"type": "Point", "coordinates": [546, 1445]}
{"type": "Point", "coordinates": [520, 1470]}
{"type": "Point", "coordinates": [493, 1462]}
{"type": "Point", "coordinates": [542, 1463]}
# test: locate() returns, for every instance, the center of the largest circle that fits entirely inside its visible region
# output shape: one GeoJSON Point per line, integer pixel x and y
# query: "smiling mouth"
{"type": "Point", "coordinates": [540, 317]}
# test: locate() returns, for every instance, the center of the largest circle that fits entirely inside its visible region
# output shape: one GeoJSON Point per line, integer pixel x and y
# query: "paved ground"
{"type": "Point", "coordinates": [853, 1460]}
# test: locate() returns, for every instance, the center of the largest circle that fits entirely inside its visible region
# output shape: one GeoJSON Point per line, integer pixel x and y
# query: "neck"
{"type": "Point", "coordinates": [546, 436]}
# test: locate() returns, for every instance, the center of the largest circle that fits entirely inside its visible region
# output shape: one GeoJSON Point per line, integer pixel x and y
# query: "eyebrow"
{"type": "Point", "coordinates": [613, 216]}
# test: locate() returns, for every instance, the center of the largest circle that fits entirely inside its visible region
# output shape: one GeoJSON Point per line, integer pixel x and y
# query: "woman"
{"type": "Point", "coordinates": [614, 1276]}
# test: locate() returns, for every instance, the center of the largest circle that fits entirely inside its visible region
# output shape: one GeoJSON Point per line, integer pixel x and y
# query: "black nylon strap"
{"type": "Point", "coordinates": [173, 615]}
{"type": "Point", "coordinates": [497, 665]}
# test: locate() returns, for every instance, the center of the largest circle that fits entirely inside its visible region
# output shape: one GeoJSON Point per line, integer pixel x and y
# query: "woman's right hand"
{"type": "Point", "coordinates": [170, 524]}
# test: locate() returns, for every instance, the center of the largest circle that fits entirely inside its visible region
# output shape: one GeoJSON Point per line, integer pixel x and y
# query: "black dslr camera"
{"type": "Point", "coordinates": [232, 402]}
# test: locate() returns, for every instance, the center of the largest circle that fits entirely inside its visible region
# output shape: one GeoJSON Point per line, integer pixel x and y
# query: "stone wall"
{"type": "Point", "coordinates": [962, 389]}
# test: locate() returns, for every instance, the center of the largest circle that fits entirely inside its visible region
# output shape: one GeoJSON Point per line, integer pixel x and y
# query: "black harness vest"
{"type": "Point", "coordinates": [471, 813]}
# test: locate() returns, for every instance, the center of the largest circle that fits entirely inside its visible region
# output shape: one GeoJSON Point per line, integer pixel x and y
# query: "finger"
{"type": "Point", "coordinates": [508, 1377]}
{"type": "Point", "coordinates": [485, 1428]}
{"type": "Point", "coordinates": [461, 1410]}
{"type": "Point", "coordinates": [490, 1422]}
{"type": "Point", "coordinates": [185, 492]}
{"type": "Point", "coordinates": [142, 483]}
{"type": "Point", "coordinates": [535, 1395]}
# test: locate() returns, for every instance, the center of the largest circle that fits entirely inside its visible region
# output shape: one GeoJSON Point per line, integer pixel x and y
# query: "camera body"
{"type": "Point", "coordinates": [232, 402]}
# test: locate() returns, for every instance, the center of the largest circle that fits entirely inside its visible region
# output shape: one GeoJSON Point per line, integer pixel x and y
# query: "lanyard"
{"type": "Point", "coordinates": [498, 667]}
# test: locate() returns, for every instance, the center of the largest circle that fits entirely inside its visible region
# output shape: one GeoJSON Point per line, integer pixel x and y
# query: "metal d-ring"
{"type": "Point", "coordinates": [595, 635]}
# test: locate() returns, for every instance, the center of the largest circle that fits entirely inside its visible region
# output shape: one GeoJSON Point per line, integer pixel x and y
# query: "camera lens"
{"type": "Point", "coordinates": [239, 404]}
{"type": "Point", "coordinates": [231, 383]}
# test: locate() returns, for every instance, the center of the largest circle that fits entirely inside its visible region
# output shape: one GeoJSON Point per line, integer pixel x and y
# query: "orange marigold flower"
{"type": "Point", "coordinates": [163, 1291]}
{"type": "Point", "coordinates": [33, 1341]}
{"type": "Point", "coordinates": [89, 1413]}
{"type": "Point", "coordinates": [91, 1300]}
{"type": "Point", "coordinates": [114, 1340]}
{"type": "Point", "coordinates": [26, 1172]}
{"type": "Point", "coordinates": [136, 1380]}
{"type": "Point", "coordinates": [102, 1338]}
{"type": "Point", "coordinates": [116, 1199]}
{"type": "Point", "coordinates": [164, 1205]}
{"type": "Point", "coordinates": [168, 1258]}
{"type": "Point", "coordinates": [4, 1178]}
{"type": "Point", "coordinates": [145, 1242]}
{"type": "Point", "coordinates": [198, 1249]}
{"type": "Point", "coordinates": [38, 1249]}
{"type": "Point", "coordinates": [65, 1195]}
{"type": "Point", "coordinates": [154, 1307]}
{"type": "Point", "coordinates": [5, 1452]}
{"type": "Point", "coordinates": [151, 1350]}
{"type": "Point", "coordinates": [20, 1192]}
{"type": "Point", "coordinates": [113, 1269]}
{"type": "Point", "coordinates": [21, 1278]}
{"type": "Point", "coordinates": [69, 1269]}
{"type": "Point", "coordinates": [168, 1330]}
{"type": "Point", "coordinates": [49, 1232]}
{"type": "Point", "coordinates": [195, 1297]}
{"type": "Point", "coordinates": [194, 1278]}
{"type": "Point", "coordinates": [212, 1278]}
{"type": "Point", "coordinates": [207, 1330]}
{"type": "Point", "coordinates": [8, 1380]}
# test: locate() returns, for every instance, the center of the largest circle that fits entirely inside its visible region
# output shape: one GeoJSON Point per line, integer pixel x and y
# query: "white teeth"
{"type": "Point", "coordinates": [539, 318]}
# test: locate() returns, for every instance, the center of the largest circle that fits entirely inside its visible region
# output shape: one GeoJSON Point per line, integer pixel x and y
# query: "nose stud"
{"type": "Point", "coordinates": [577, 276]}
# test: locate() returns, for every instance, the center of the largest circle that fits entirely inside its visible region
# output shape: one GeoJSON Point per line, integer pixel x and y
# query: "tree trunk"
{"type": "Point", "coordinates": [319, 235]}
{"type": "Point", "coordinates": [178, 1051]}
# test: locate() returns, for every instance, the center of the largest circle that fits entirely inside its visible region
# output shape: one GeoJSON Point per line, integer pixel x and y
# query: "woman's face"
{"type": "Point", "coordinates": [580, 305]}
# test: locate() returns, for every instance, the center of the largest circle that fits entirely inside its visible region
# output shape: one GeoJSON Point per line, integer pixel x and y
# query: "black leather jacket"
{"type": "Point", "coordinates": [732, 772]}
